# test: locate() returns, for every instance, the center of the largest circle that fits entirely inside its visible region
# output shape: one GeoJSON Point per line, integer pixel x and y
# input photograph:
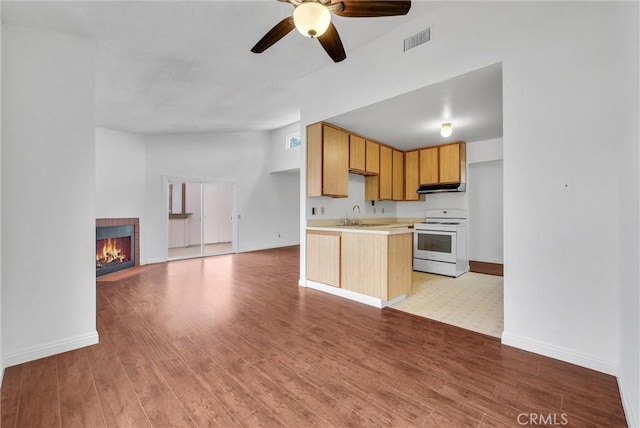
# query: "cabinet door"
{"type": "Point", "coordinates": [411, 175]}
{"type": "Point", "coordinates": [386, 173]}
{"type": "Point", "coordinates": [429, 166]}
{"type": "Point", "coordinates": [323, 257]}
{"type": "Point", "coordinates": [335, 162]}
{"type": "Point", "coordinates": [400, 265]}
{"type": "Point", "coordinates": [364, 261]}
{"type": "Point", "coordinates": [398, 176]}
{"type": "Point", "coordinates": [449, 163]}
{"type": "Point", "coordinates": [357, 153]}
{"type": "Point", "coordinates": [373, 157]}
{"type": "Point", "coordinates": [314, 160]}
{"type": "Point", "coordinates": [372, 187]}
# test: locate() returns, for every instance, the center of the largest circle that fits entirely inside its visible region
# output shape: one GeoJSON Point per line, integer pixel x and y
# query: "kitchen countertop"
{"type": "Point", "coordinates": [379, 229]}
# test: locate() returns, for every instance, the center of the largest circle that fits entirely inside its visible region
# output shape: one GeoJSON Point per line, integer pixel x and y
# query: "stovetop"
{"type": "Point", "coordinates": [443, 219]}
{"type": "Point", "coordinates": [441, 222]}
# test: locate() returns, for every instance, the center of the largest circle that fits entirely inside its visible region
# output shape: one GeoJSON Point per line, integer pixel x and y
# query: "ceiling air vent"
{"type": "Point", "coordinates": [417, 39]}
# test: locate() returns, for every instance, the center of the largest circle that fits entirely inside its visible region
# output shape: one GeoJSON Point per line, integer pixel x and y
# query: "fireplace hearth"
{"type": "Point", "coordinates": [117, 243]}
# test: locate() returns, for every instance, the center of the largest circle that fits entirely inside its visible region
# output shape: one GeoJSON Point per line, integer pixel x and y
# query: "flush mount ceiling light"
{"type": "Point", "coordinates": [311, 19]}
{"type": "Point", "coordinates": [446, 130]}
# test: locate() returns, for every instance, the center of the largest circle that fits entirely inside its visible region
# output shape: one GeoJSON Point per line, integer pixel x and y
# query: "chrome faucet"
{"type": "Point", "coordinates": [354, 209]}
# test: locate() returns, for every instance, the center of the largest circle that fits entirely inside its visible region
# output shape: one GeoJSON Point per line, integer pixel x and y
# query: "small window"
{"type": "Point", "coordinates": [293, 141]}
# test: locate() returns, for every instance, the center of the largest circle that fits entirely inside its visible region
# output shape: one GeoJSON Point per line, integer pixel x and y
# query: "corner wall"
{"type": "Point", "coordinates": [629, 228]}
{"type": "Point", "coordinates": [281, 158]}
{"type": "Point", "coordinates": [48, 194]}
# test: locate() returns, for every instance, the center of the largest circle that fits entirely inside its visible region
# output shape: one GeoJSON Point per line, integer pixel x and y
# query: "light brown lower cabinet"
{"type": "Point", "coordinates": [377, 265]}
{"type": "Point", "coordinates": [323, 257]}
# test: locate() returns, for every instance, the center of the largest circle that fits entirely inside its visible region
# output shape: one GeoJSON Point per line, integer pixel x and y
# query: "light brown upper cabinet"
{"type": "Point", "coordinates": [372, 187]}
{"type": "Point", "coordinates": [364, 156]}
{"type": "Point", "coordinates": [398, 176]}
{"type": "Point", "coordinates": [373, 157]}
{"type": "Point", "coordinates": [443, 164]}
{"type": "Point", "coordinates": [386, 173]}
{"type": "Point", "coordinates": [357, 154]}
{"type": "Point", "coordinates": [452, 158]}
{"type": "Point", "coordinates": [429, 166]}
{"type": "Point", "coordinates": [327, 161]}
{"type": "Point", "coordinates": [412, 176]}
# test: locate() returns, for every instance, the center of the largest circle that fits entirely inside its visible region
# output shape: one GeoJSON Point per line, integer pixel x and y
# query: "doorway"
{"type": "Point", "coordinates": [200, 219]}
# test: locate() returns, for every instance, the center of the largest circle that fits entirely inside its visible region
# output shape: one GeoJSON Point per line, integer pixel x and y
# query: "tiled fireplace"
{"type": "Point", "coordinates": [117, 244]}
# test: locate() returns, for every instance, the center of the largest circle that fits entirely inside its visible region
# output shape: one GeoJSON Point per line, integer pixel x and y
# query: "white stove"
{"type": "Point", "coordinates": [440, 243]}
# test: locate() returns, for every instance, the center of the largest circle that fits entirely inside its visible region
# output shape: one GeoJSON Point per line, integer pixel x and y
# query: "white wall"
{"type": "Point", "coordinates": [559, 297]}
{"type": "Point", "coordinates": [267, 203]}
{"type": "Point", "coordinates": [484, 151]}
{"type": "Point", "coordinates": [629, 226]}
{"type": "Point", "coordinates": [562, 86]}
{"type": "Point", "coordinates": [120, 174]}
{"type": "Point", "coordinates": [281, 158]}
{"type": "Point", "coordinates": [485, 193]}
{"type": "Point", "coordinates": [48, 194]}
{"type": "Point", "coordinates": [336, 208]}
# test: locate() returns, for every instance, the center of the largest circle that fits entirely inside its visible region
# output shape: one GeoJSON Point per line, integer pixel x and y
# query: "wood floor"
{"type": "Point", "coordinates": [233, 341]}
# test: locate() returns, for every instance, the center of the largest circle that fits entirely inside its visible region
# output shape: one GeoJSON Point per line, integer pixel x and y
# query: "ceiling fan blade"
{"type": "Point", "coordinates": [331, 43]}
{"type": "Point", "coordinates": [276, 33]}
{"type": "Point", "coordinates": [370, 9]}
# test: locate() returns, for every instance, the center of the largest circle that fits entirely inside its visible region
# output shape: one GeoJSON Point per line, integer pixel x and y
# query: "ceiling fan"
{"type": "Point", "coordinates": [313, 19]}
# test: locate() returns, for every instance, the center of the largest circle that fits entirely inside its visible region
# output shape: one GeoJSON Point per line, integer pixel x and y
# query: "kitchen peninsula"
{"type": "Point", "coordinates": [368, 263]}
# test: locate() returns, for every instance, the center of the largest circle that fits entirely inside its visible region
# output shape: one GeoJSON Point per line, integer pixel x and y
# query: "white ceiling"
{"type": "Point", "coordinates": [472, 103]}
{"type": "Point", "coordinates": [186, 67]}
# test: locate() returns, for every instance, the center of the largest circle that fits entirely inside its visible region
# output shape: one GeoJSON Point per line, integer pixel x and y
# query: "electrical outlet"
{"type": "Point", "coordinates": [322, 210]}
{"type": "Point", "coordinates": [383, 211]}
{"type": "Point", "coordinates": [374, 210]}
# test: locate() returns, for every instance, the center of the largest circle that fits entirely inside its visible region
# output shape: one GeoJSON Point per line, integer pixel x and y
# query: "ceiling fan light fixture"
{"type": "Point", "coordinates": [446, 130]}
{"type": "Point", "coordinates": [311, 19]}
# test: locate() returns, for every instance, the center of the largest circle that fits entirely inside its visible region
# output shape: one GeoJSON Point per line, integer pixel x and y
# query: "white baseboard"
{"type": "Point", "coordinates": [352, 295]}
{"type": "Point", "coordinates": [628, 405]}
{"type": "Point", "coordinates": [559, 353]}
{"type": "Point", "coordinates": [50, 349]}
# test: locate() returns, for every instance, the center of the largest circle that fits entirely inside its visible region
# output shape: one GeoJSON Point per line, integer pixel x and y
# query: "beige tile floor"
{"type": "Point", "coordinates": [473, 301]}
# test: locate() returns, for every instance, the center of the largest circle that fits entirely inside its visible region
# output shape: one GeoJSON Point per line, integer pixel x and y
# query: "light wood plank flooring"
{"type": "Point", "coordinates": [233, 341]}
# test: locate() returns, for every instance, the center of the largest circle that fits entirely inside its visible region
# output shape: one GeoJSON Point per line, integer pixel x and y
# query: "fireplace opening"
{"type": "Point", "coordinates": [114, 249]}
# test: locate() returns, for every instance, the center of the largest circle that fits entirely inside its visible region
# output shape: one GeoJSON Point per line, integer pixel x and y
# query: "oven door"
{"type": "Point", "coordinates": [438, 245]}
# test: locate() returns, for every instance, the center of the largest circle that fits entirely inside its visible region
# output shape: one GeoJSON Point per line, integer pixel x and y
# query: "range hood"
{"type": "Point", "coordinates": [440, 188]}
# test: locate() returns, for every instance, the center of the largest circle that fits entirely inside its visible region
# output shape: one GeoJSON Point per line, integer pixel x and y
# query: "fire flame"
{"type": "Point", "coordinates": [110, 252]}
